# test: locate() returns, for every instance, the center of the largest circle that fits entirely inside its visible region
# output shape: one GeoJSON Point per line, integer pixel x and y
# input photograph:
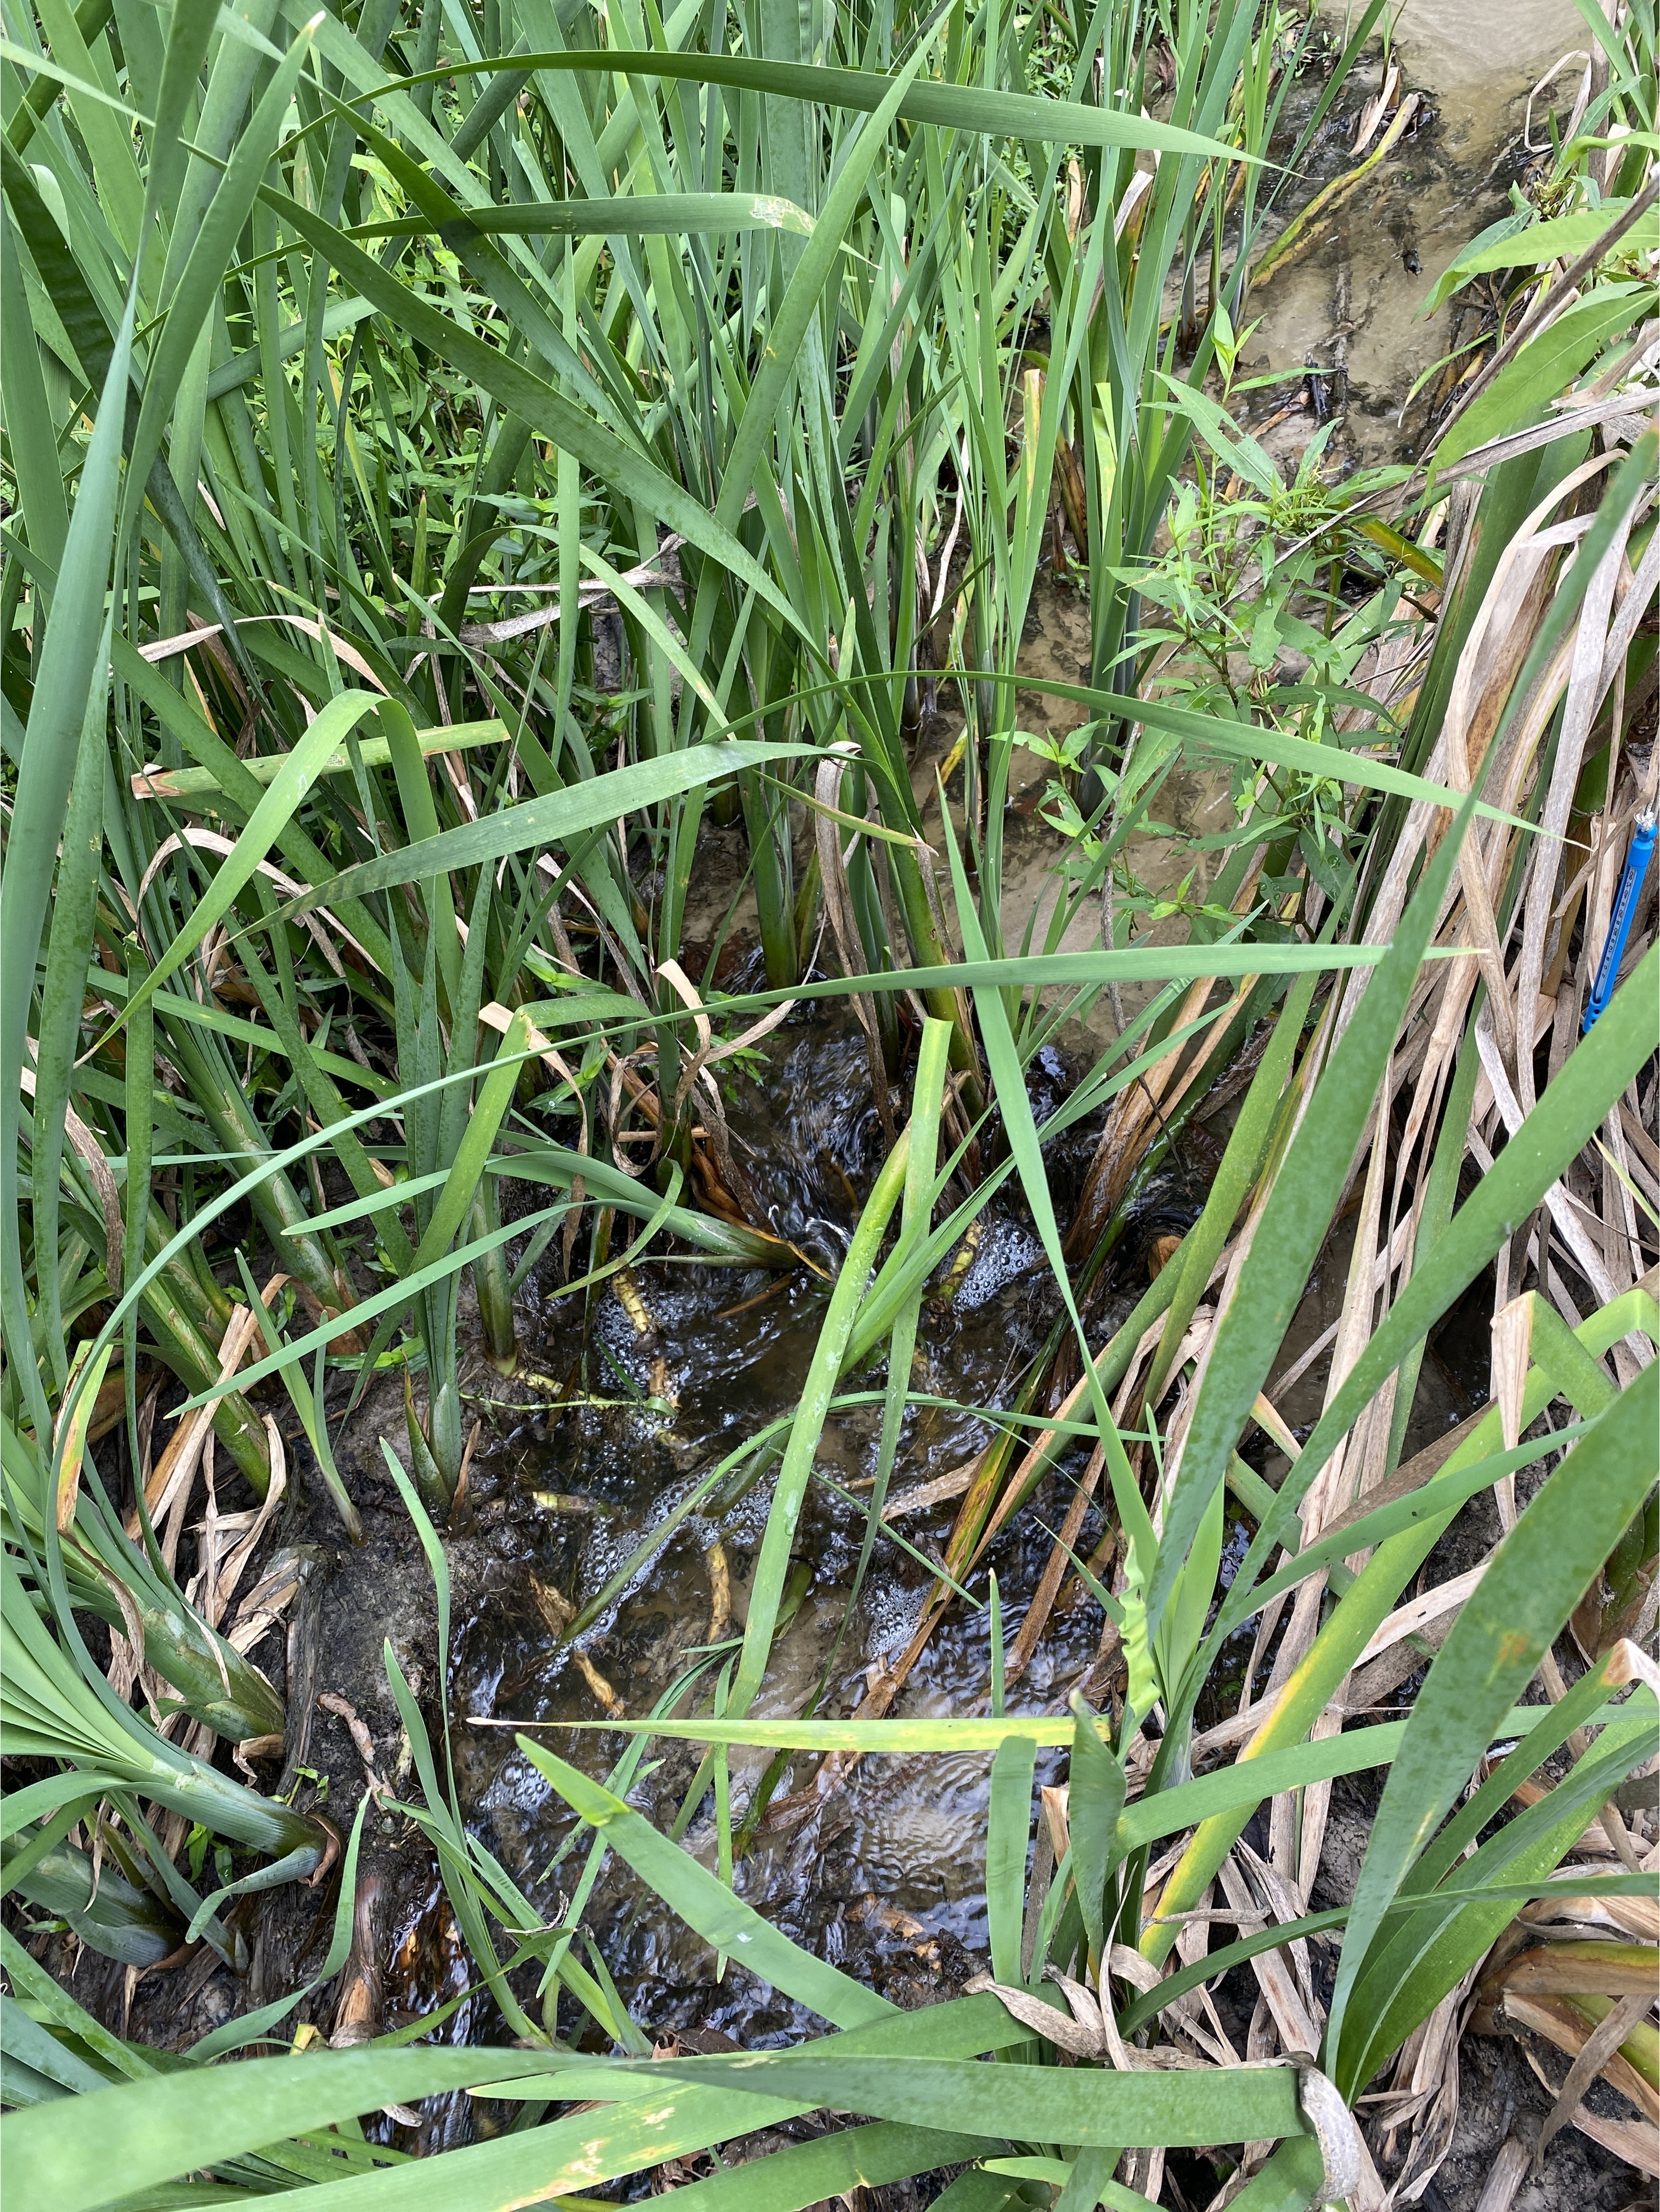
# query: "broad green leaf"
{"type": "Point", "coordinates": [1293, 1223]}
{"type": "Point", "coordinates": [30, 1981]}
{"type": "Point", "coordinates": [1559, 237]}
{"type": "Point", "coordinates": [1538, 1574]}
{"type": "Point", "coordinates": [634, 215]}
{"type": "Point", "coordinates": [980, 2190]}
{"type": "Point", "coordinates": [706, 1904]}
{"type": "Point", "coordinates": [640, 2130]}
{"type": "Point", "coordinates": [26, 2043]}
{"type": "Point", "coordinates": [1089, 2185]}
{"type": "Point", "coordinates": [188, 36]}
{"type": "Point", "coordinates": [1077, 2105]}
{"type": "Point", "coordinates": [557, 814]}
{"type": "Point", "coordinates": [1520, 391]}
{"type": "Point", "coordinates": [69, 950]}
{"type": "Point", "coordinates": [946, 107]}
{"type": "Point", "coordinates": [1223, 436]}
{"type": "Point", "coordinates": [1495, 234]}
{"type": "Point", "coordinates": [36, 1801]}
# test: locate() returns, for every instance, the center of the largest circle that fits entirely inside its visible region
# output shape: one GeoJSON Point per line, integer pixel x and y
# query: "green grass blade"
{"type": "Point", "coordinates": [253, 2102]}
{"type": "Point", "coordinates": [1566, 1118]}
{"type": "Point", "coordinates": [1241, 1163]}
{"type": "Point", "coordinates": [1432, 1503]}
{"type": "Point", "coordinates": [67, 677]}
{"type": "Point", "coordinates": [812, 271]}
{"type": "Point", "coordinates": [1075, 2105]}
{"type": "Point", "coordinates": [772, 1566]}
{"type": "Point", "coordinates": [658, 214]}
{"type": "Point", "coordinates": [201, 281]}
{"type": "Point", "coordinates": [1290, 2180]}
{"type": "Point", "coordinates": [615, 462]}
{"type": "Point", "coordinates": [28, 418]}
{"type": "Point", "coordinates": [861, 91]}
{"type": "Point", "coordinates": [1403, 1983]}
{"type": "Point", "coordinates": [1136, 963]}
{"type": "Point", "coordinates": [720, 1239]}
{"type": "Point", "coordinates": [1346, 1631]}
{"type": "Point", "coordinates": [392, 1300]}
{"type": "Point", "coordinates": [37, 1801]}
{"type": "Point", "coordinates": [868, 2157]}
{"type": "Point", "coordinates": [1097, 1807]}
{"type": "Point", "coordinates": [557, 814]}
{"type": "Point", "coordinates": [707, 1904]}
{"type": "Point", "coordinates": [148, 2132]}
{"type": "Point", "coordinates": [1250, 741]}
{"type": "Point", "coordinates": [280, 799]}
{"type": "Point", "coordinates": [372, 751]}
{"type": "Point", "coordinates": [1007, 1834]}
{"type": "Point", "coordinates": [68, 949]}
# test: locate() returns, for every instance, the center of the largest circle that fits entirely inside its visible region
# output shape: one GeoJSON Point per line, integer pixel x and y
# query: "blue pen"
{"type": "Point", "coordinates": [1620, 922]}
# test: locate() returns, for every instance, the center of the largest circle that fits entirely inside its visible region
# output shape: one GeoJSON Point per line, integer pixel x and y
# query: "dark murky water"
{"type": "Point", "coordinates": [661, 1384]}
{"type": "Point", "coordinates": [891, 1872]}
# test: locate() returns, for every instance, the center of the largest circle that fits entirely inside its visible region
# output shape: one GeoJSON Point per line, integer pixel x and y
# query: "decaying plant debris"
{"type": "Point", "coordinates": [471, 475]}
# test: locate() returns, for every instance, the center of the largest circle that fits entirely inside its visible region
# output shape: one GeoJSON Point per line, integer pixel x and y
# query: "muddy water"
{"type": "Point", "coordinates": [1488, 47]}
{"type": "Point", "coordinates": [1354, 301]}
{"type": "Point", "coordinates": [888, 1880]}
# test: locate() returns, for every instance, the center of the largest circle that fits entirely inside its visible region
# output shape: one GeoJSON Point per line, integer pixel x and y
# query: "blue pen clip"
{"type": "Point", "coordinates": [1619, 922]}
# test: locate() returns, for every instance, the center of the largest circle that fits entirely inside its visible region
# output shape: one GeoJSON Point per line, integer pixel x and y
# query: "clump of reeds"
{"type": "Point", "coordinates": [446, 458]}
